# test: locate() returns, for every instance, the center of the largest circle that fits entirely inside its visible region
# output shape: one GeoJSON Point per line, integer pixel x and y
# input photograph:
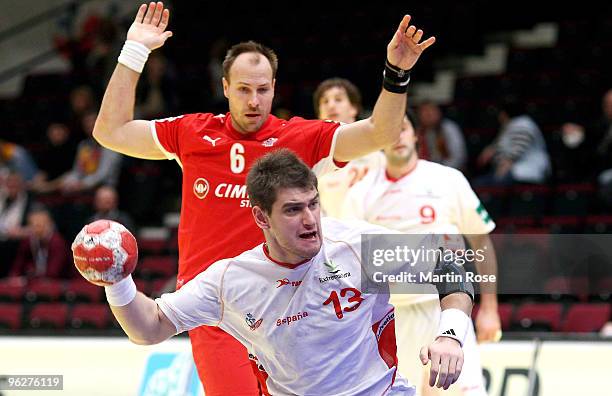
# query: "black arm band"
{"type": "Point", "coordinates": [394, 79]}
{"type": "Point", "coordinates": [451, 278]}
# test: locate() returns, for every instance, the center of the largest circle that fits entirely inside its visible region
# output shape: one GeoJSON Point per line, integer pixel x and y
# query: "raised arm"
{"type": "Point", "coordinates": [384, 126]}
{"type": "Point", "coordinates": [115, 126]}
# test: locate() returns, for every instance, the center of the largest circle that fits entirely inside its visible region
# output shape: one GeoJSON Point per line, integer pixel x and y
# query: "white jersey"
{"type": "Point", "coordinates": [433, 198]}
{"type": "Point", "coordinates": [309, 329]}
{"type": "Point", "coordinates": [333, 186]}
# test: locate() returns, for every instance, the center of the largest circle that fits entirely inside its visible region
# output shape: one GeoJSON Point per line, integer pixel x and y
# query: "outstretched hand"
{"type": "Point", "coordinates": [149, 27]}
{"type": "Point", "coordinates": [446, 357]}
{"type": "Point", "coordinates": [405, 47]}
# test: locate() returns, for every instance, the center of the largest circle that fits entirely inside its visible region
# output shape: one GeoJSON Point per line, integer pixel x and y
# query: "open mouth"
{"type": "Point", "coordinates": [309, 236]}
{"type": "Point", "coordinates": [252, 115]}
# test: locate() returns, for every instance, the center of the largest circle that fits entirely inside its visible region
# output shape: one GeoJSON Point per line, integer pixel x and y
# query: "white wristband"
{"type": "Point", "coordinates": [453, 324]}
{"type": "Point", "coordinates": [121, 293]}
{"type": "Point", "coordinates": [134, 55]}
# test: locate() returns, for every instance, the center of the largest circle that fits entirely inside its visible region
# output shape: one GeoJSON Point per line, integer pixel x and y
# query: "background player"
{"type": "Point", "coordinates": [338, 99]}
{"type": "Point", "coordinates": [215, 152]}
{"type": "Point", "coordinates": [417, 196]}
{"type": "Point", "coordinates": [303, 334]}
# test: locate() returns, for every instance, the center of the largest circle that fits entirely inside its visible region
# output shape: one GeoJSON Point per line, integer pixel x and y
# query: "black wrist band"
{"type": "Point", "coordinates": [394, 79]}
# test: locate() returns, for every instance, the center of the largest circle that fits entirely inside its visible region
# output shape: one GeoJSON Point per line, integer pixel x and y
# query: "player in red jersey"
{"type": "Point", "coordinates": [215, 153]}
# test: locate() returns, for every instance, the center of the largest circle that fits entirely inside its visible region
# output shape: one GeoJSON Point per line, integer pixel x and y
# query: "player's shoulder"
{"type": "Point", "coordinates": [194, 118]}
{"type": "Point", "coordinates": [246, 260]}
{"type": "Point", "coordinates": [303, 123]}
{"type": "Point", "coordinates": [234, 266]}
{"type": "Point", "coordinates": [348, 230]}
{"type": "Point", "coordinates": [433, 168]}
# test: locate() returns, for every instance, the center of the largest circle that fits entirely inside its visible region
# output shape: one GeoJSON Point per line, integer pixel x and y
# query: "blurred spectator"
{"type": "Point", "coordinates": [439, 139]}
{"type": "Point", "coordinates": [57, 154]}
{"type": "Point", "coordinates": [518, 154]}
{"type": "Point", "coordinates": [43, 252]}
{"type": "Point", "coordinates": [15, 157]}
{"type": "Point", "coordinates": [92, 166]}
{"type": "Point", "coordinates": [106, 206]}
{"type": "Point", "coordinates": [102, 57]}
{"type": "Point", "coordinates": [573, 153]}
{"type": "Point", "coordinates": [82, 102]}
{"type": "Point", "coordinates": [584, 151]}
{"type": "Point", "coordinates": [155, 95]}
{"type": "Point", "coordinates": [215, 73]}
{"type": "Point", "coordinates": [92, 50]}
{"type": "Point", "coordinates": [14, 205]}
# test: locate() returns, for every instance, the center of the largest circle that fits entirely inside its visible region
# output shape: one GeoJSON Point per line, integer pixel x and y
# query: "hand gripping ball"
{"type": "Point", "coordinates": [105, 252]}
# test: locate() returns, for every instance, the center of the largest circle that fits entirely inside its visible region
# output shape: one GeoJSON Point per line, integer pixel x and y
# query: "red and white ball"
{"type": "Point", "coordinates": [105, 252]}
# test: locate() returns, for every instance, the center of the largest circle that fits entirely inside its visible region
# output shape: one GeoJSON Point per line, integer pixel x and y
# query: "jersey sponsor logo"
{"type": "Point", "coordinates": [201, 188]}
{"type": "Point", "coordinates": [334, 270]}
{"type": "Point", "coordinates": [212, 141]}
{"type": "Point", "coordinates": [285, 282]}
{"type": "Point", "coordinates": [228, 190]}
{"type": "Point", "coordinates": [333, 277]}
{"type": "Point", "coordinates": [381, 218]}
{"type": "Point", "coordinates": [293, 318]}
{"type": "Point", "coordinates": [331, 267]}
{"type": "Point", "coordinates": [384, 322]}
{"type": "Point", "coordinates": [252, 322]}
{"type": "Point", "coordinates": [269, 142]}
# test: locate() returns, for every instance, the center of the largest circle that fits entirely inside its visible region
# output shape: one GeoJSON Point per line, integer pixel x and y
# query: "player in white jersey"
{"type": "Point", "coordinates": [339, 100]}
{"type": "Point", "coordinates": [297, 302]}
{"type": "Point", "coordinates": [417, 196]}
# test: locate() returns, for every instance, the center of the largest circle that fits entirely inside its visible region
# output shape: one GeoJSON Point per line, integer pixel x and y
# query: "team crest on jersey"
{"type": "Point", "coordinates": [253, 324]}
{"type": "Point", "coordinates": [201, 188]}
{"type": "Point", "coordinates": [269, 142]}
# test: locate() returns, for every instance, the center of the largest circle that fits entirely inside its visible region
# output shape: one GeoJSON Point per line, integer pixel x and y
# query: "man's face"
{"type": "Point", "coordinates": [294, 225]}
{"type": "Point", "coordinates": [14, 185]}
{"type": "Point", "coordinates": [335, 105]}
{"type": "Point", "coordinates": [250, 91]}
{"type": "Point", "coordinates": [402, 150]}
{"type": "Point", "coordinates": [106, 199]}
{"type": "Point", "coordinates": [429, 115]}
{"type": "Point", "coordinates": [40, 224]}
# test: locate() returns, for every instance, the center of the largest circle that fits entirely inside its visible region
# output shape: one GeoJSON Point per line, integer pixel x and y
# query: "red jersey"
{"type": "Point", "coordinates": [216, 220]}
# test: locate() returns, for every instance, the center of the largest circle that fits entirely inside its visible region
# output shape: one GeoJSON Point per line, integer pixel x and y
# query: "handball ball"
{"type": "Point", "coordinates": [105, 252]}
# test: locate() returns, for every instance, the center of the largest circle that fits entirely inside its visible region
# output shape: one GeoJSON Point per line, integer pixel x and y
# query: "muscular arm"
{"type": "Point", "coordinates": [143, 321]}
{"type": "Point", "coordinates": [380, 130]}
{"type": "Point", "coordinates": [459, 300]}
{"type": "Point", "coordinates": [115, 126]}
{"type": "Point", "coordinates": [384, 127]}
